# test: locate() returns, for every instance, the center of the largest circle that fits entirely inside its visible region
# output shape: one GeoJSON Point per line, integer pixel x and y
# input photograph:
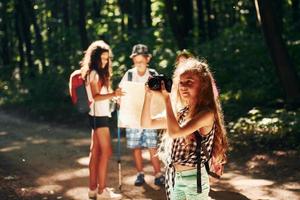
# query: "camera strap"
{"type": "Point", "coordinates": [129, 76]}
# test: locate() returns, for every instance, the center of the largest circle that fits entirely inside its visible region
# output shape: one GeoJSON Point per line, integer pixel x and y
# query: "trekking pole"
{"type": "Point", "coordinates": [119, 154]}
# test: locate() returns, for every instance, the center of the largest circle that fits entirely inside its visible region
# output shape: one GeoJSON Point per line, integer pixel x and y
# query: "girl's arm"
{"type": "Point", "coordinates": [203, 119]}
{"type": "Point", "coordinates": [146, 120]}
{"type": "Point", "coordinates": [96, 88]}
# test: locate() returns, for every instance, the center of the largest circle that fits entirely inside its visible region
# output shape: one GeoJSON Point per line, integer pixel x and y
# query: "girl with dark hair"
{"type": "Point", "coordinates": [96, 69]}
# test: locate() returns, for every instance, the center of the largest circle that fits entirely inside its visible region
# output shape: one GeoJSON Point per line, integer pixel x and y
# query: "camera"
{"type": "Point", "coordinates": [154, 82]}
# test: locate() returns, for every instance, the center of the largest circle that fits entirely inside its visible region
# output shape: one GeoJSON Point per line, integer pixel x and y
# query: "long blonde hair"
{"type": "Point", "coordinates": [207, 100]}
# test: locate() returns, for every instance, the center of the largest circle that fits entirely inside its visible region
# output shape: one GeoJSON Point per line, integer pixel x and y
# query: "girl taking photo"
{"type": "Point", "coordinates": [196, 112]}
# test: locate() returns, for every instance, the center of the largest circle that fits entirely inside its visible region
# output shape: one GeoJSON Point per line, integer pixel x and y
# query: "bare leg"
{"type": "Point", "coordinates": [154, 160]}
{"type": "Point", "coordinates": [93, 164]}
{"type": "Point", "coordinates": [103, 138]}
{"type": "Point", "coordinates": [137, 155]}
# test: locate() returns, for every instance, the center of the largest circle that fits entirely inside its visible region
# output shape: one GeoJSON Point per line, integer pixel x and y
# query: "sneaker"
{"type": "Point", "coordinates": [140, 180]}
{"type": "Point", "coordinates": [92, 194]}
{"type": "Point", "coordinates": [160, 180]}
{"type": "Point", "coordinates": [108, 194]}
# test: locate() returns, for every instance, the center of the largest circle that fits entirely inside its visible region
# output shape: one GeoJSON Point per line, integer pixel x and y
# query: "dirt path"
{"type": "Point", "coordinates": [43, 161]}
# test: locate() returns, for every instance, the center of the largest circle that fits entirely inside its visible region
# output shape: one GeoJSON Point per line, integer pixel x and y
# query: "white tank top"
{"type": "Point", "coordinates": [98, 108]}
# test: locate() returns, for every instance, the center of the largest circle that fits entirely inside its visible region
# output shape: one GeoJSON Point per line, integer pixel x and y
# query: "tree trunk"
{"type": "Point", "coordinates": [186, 8]}
{"type": "Point", "coordinates": [130, 16]}
{"type": "Point", "coordinates": [40, 47]}
{"type": "Point", "coordinates": [96, 9]}
{"type": "Point", "coordinates": [278, 15]}
{"type": "Point", "coordinates": [174, 23]}
{"type": "Point", "coordinates": [148, 17]}
{"type": "Point", "coordinates": [296, 13]}
{"type": "Point", "coordinates": [82, 24]}
{"type": "Point", "coordinates": [5, 41]}
{"type": "Point", "coordinates": [209, 19]}
{"type": "Point", "coordinates": [66, 13]}
{"type": "Point", "coordinates": [286, 71]}
{"type": "Point", "coordinates": [27, 36]}
{"type": "Point", "coordinates": [138, 13]}
{"type": "Point", "coordinates": [20, 38]}
{"type": "Point", "coordinates": [214, 19]}
{"type": "Point", "coordinates": [232, 15]}
{"type": "Point", "coordinates": [201, 22]}
{"type": "Point", "coordinates": [52, 35]}
{"type": "Point", "coordinates": [122, 7]}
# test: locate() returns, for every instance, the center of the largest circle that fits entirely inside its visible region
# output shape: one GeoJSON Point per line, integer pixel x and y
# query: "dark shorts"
{"type": "Point", "coordinates": [98, 122]}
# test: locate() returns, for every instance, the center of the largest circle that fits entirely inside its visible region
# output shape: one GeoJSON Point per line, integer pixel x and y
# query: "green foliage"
{"type": "Point", "coordinates": [242, 66]}
{"type": "Point", "coordinates": [46, 97]}
{"type": "Point", "coordinates": [266, 129]}
{"type": "Point", "coordinates": [237, 55]}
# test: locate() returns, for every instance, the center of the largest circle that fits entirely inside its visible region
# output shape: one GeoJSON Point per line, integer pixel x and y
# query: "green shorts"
{"type": "Point", "coordinates": [186, 185]}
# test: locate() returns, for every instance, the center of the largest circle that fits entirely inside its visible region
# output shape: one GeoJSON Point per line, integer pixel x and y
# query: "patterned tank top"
{"type": "Point", "coordinates": [184, 153]}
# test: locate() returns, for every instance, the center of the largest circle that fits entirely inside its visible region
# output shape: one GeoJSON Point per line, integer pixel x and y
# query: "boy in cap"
{"type": "Point", "coordinates": [142, 138]}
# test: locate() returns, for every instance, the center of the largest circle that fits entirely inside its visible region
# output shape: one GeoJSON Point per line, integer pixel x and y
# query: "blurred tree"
{"type": "Point", "coordinates": [201, 22]}
{"type": "Point", "coordinates": [26, 35]}
{"type": "Point", "coordinates": [210, 18]}
{"type": "Point", "coordinates": [82, 24]}
{"type": "Point", "coordinates": [296, 13]}
{"type": "Point", "coordinates": [66, 13]}
{"type": "Point", "coordinates": [97, 6]}
{"type": "Point", "coordinates": [186, 10]}
{"type": "Point", "coordinates": [5, 53]}
{"type": "Point", "coordinates": [20, 39]}
{"type": "Point", "coordinates": [39, 41]}
{"type": "Point", "coordinates": [286, 71]}
{"type": "Point", "coordinates": [180, 15]}
{"type": "Point", "coordinates": [138, 13]}
{"type": "Point", "coordinates": [148, 13]}
{"type": "Point", "coordinates": [126, 14]}
{"type": "Point", "coordinates": [49, 36]}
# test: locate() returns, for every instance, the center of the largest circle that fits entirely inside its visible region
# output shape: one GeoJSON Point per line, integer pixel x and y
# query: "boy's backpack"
{"type": "Point", "coordinates": [78, 92]}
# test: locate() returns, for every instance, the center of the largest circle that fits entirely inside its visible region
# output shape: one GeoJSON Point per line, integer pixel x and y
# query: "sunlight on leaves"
{"type": "Point", "coordinates": [268, 126]}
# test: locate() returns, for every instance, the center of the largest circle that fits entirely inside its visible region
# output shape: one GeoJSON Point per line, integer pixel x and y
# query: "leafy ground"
{"type": "Point", "coordinates": [48, 161]}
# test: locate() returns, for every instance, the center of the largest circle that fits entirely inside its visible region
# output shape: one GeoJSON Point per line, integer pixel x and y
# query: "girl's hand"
{"type": "Point", "coordinates": [191, 137]}
{"type": "Point", "coordinates": [148, 91]}
{"type": "Point", "coordinates": [118, 92]}
{"type": "Point", "coordinates": [163, 91]}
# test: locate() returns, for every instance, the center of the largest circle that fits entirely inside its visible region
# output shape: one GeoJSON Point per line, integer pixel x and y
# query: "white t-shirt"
{"type": "Point", "coordinates": [97, 108]}
{"type": "Point", "coordinates": [136, 77]}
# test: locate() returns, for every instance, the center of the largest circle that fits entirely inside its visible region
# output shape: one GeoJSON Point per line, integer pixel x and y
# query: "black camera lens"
{"type": "Point", "coordinates": [154, 82]}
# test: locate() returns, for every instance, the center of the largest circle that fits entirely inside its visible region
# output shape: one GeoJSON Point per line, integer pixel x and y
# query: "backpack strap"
{"type": "Point", "coordinates": [212, 174]}
{"type": "Point", "coordinates": [206, 164]}
{"type": "Point", "coordinates": [199, 160]}
{"type": "Point", "coordinates": [151, 71]}
{"type": "Point", "coordinates": [129, 76]}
